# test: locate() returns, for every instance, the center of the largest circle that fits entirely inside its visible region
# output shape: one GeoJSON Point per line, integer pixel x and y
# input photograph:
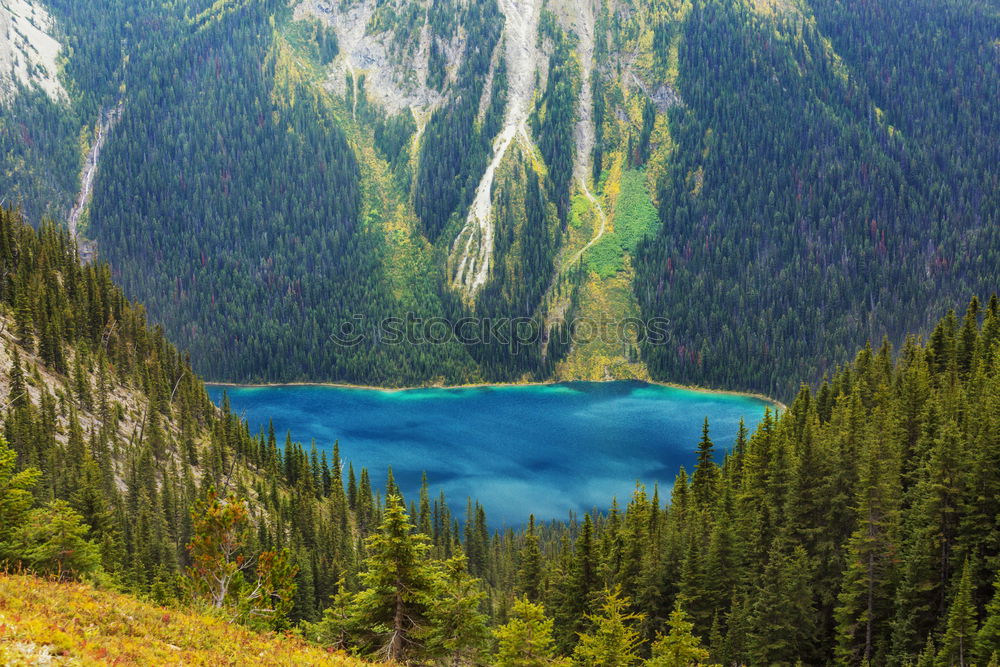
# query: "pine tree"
{"type": "Point", "coordinates": [53, 541]}
{"type": "Point", "coordinates": [221, 566]}
{"type": "Point", "coordinates": [679, 647]}
{"type": "Point", "coordinates": [526, 639]}
{"type": "Point", "coordinates": [15, 492]}
{"type": "Point", "coordinates": [458, 632]}
{"type": "Point", "coordinates": [530, 572]}
{"type": "Point", "coordinates": [958, 645]}
{"type": "Point", "coordinates": [988, 639]}
{"type": "Point", "coordinates": [613, 640]}
{"type": "Point", "coordinates": [706, 472]}
{"type": "Point", "coordinates": [399, 585]}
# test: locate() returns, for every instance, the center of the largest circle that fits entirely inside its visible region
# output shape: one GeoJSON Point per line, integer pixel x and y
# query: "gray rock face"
{"type": "Point", "coordinates": [665, 98]}
{"type": "Point", "coordinates": [28, 52]}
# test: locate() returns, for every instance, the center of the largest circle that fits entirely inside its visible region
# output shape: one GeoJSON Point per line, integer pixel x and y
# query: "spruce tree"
{"type": "Point", "coordinates": [18, 395]}
{"type": "Point", "coordinates": [577, 593]}
{"type": "Point", "coordinates": [339, 624]}
{"type": "Point", "coordinates": [526, 639]}
{"type": "Point", "coordinates": [966, 343]}
{"type": "Point", "coordinates": [679, 647]}
{"type": "Point", "coordinates": [54, 541]}
{"type": "Point", "coordinates": [958, 645]}
{"type": "Point", "coordinates": [866, 597]}
{"type": "Point", "coordinates": [458, 632]}
{"type": "Point", "coordinates": [988, 639]}
{"type": "Point", "coordinates": [15, 492]}
{"type": "Point", "coordinates": [391, 488]}
{"type": "Point", "coordinates": [783, 617]}
{"type": "Point", "coordinates": [706, 471]}
{"type": "Point", "coordinates": [393, 609]}
{"type": "Point", "coordinates": [613, 640]}
{"type": "Point", "coordinates": [530, 571]}
{"type": "Point", "coordinates": [365, 503]}
{"type": "Point", "coordinates": [722, 558]}
{"type": "Point", "coordinates": [24, 317]}
{"type": "Point", "coordinates": [352, 488]}
{"type": "Point", "coordinates": [927, 657]}
{"type": "Point", "coordinates": [424, 518]}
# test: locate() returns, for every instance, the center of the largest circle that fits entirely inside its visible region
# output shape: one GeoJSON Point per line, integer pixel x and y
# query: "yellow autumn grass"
{"type": "Point", "coordinates": [43, 622]}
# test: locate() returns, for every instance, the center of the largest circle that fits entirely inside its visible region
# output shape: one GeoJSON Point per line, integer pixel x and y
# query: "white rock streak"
{"type": "Point", "coordinates": [106, 123]}
{"type": "Point", "coordinates": [473, 249]}
{"type": "Point", "coordinates": [584, 131]}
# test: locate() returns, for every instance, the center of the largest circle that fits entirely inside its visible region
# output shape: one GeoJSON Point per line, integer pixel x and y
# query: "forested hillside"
{"type": "Point", "coordinates": [823, 172]}
{"type": "Point", "coordinates": [834, 180]}
{"type": "Point", "coordinates": [858, 527]}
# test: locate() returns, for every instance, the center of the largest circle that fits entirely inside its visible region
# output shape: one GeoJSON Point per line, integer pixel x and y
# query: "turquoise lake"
{"type": "Point", "coordinates": [546, 449]}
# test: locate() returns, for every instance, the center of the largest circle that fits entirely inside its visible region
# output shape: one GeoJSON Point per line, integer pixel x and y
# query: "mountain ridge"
{"type": "Point", "coordinates": [432, 95]}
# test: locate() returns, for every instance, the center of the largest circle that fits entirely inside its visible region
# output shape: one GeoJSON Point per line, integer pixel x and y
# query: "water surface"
{"type": "Point", "coordinates": [546, 450]}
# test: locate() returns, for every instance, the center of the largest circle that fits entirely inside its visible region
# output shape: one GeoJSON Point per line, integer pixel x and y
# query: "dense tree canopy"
{"type": "Point", "coordinates": [852, 527]}
{"type": "Point", "coordinates": [820, 196]}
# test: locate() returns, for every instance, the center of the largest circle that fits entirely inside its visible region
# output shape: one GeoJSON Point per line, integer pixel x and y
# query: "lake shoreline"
{"type": "Point", "coordinates": [486, 385]}
{"type": "Point", "coordinates": [547, 449]}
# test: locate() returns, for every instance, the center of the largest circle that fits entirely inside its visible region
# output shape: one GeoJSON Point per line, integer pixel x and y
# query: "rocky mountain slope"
{"type": "Point", "coordinates": [28, 51]}
{"type": "Point", "coordinates": [292, 171]}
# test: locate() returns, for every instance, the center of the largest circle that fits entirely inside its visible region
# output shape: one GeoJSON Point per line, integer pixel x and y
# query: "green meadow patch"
{"type": "Point", "coordinates": [635, 218]}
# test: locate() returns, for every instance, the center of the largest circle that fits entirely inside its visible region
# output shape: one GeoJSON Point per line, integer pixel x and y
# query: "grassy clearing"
{"type": "Point", "coordinates": [610, 355]}
{"type": "Point", "coordinates": [583, 225]}
{"type": "Point", "coordinates": [635, 218]}
{"type": "Point", "coordinates": [579, 210]}
{"type": "Point", "coordinates": [606, 297]}
{"type": "Point", "coordinates": [42, 622]}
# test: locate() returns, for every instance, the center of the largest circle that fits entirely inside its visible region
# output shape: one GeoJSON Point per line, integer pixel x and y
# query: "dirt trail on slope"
{"type": "Point", "coordinates": [559, 308]}
{"type": "Point", "coordinates": [473, 249]}
{"type": "Point", "coordinates": [602, 230]}
{"type": "Point", "coordinates": [106, 124]}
